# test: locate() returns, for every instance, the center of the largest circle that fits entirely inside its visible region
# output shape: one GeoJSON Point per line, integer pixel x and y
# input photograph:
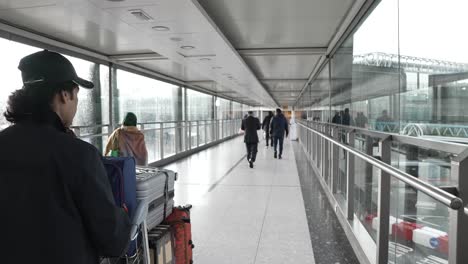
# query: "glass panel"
{"type": "Point", "coordinates": [169, 139]}
{"type": "Point", "coordinates": [341, 184]}
{"type": "Point", "coordinates": [366, 193]}
{"type": "Point", "coordinates": [202, 133]}
{"type": "Point", "coordinates": [436, 69]}
{"type": "Point", "coordinates": [223, 108]}
{"type": "Point", "coordinates": [366, 220]}
{"type": "Point", "coordinates": [418, 227]}
{"type": "Point", "coordinates": [209, 131]}
{"type": "Point", "coordinates": [152, 139]}
{"type": "Point", "coordinates": [237, 110]}
{"type": "Point", "coordinates": [10, 54]}
{"type": "Point", "coordinates": [194, 134]}
{"type": "Point", "coordinates": [149, 99]}
{"type": "Point", "coordinates": [199, 106]}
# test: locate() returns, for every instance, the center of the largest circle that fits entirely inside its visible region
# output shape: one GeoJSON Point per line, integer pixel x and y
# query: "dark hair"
{"type": "Point", "coordinates": [278, 111]}
{"type": "Point", "coordinates": [270, 112]}
{"type": "Point", "coordinates": [130, 119]}
{"type": "Point", "coordinates": [250, 112]}
{"type": "Point", "coordinates": [34, 101]}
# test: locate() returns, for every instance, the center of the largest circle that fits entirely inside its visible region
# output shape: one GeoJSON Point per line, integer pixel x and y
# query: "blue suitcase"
{"type": "Point", "coordinates": [122, 177]}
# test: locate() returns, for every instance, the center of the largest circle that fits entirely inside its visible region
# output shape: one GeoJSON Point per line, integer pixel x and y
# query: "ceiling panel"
{"type": "Point", "coordinates": [290, 85]}
{"type": "Point", "coordinates": [278, 23]}
{"type": "Point", "coordinates": [282, 66]}
{"type": "Point", "coordinates": [173, 69]}
{"type": "Point", "coordinates": [14, 4]}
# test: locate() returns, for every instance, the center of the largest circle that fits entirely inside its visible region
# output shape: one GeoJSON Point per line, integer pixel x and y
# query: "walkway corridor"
{"type": "Point", "coordinates": [242, 215]}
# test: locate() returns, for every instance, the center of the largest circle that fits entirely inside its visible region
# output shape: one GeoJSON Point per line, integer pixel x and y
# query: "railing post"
{"type": "Point", "coordinates": [335, 166]}
{"type": "Point", "coordinates": [189, 135]}
{"type": "Point", "coordinates": [161, 139]}
{"type": "Point", "coordinates": [177, 138]}
{"type": "Point", "coordinates": [350, 178]}
{"type": "Point", "coordinates": [320, 150]}
{"type": "Point", "coordinates": [206, 132]}
{"type": "Point", "coordinates": [198, 133]}
{"type": "Point", "coordinates": [222, 129]}
{"type": "Point", "coordinates": [326, 158]}
{"type": "Point", "coordinates": [458, 223]}
{"type": "Point", "coordinates": [384, 205]}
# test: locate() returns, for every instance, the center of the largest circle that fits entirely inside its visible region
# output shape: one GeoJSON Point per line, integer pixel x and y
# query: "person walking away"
{"type": "Point", "coordinates": [128, 141]}
{"type": "Point", "coordinates": [336, 118]}
{"type": "Point", "coordinates": [361, 120]}
{"type": "Point", "coordinates": [278, 127]}
{"type": "Point", "coordinates": [266, 128]}
{"type": "Point", "coordinates": [250, 125]}
{"type": "Point", "coordinates": [346, 119]}
{"type": "Point", "coordinates": [57, 202]}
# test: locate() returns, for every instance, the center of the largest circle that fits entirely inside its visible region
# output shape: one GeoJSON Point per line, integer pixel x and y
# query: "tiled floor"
{"type": "Point", "coordinates": [242, 215]}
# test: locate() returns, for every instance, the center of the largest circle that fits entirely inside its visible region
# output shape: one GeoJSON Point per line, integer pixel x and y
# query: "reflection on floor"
{"type": "Point", "coordinates": [329, 241]}
{"type": "Point", "coordinates": [244, 215]}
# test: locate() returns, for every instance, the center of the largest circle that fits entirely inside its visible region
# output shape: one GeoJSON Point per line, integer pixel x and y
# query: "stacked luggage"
{"type": "Point", "coordinates": [156, 186]}
{"type": "Point", "coordinates": [134, 185]}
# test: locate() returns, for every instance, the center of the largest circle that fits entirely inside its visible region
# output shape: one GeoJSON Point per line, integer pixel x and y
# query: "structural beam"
{"type": "Point", "coordinates": [283, 51]}
{"type": "Point", "coordinates": [138, 57]}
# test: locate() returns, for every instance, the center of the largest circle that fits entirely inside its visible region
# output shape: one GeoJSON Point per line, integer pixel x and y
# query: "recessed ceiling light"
{"type": "Point", "coordinates": [187, 47]}
{"type": "Point", "coordinates": [161, 28]}
{"type": "Point", "coordinates": [176, 39]}
{"type": "Point", "coordinates": [115, 0]}
{"type": "Point", "coordinates": [205, 59]}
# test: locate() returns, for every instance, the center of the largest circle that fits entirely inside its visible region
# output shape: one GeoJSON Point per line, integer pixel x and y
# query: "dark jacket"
{"type": "Point", "coordinates": [346, 119]}
{"type": "Point", "coordinates": [55, 198]}
{"type": "Point", "coordinates": [278, 126]}
{"type": "Point", "coordinates": [266, 123]}
{"type": "Point", "coordinates": [250, 125]}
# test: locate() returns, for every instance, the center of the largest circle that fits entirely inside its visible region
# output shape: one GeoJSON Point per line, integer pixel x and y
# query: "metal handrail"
{"type": "Point", "coordinates": [448, 147]}
{"type": "Point", "coordinates": [445, 198]}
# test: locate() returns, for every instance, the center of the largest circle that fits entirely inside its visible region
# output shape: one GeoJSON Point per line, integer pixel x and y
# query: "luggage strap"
{"type": "Point", "coordinates": [166, 191]}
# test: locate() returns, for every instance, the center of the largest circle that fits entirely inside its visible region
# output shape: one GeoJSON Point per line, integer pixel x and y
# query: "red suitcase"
{"type": "Point", "coordinates": [443, 244]}
{"type": "Point", "coordinates": [404, 230]}
{"type": "Point", "coordinates": [179, 221]}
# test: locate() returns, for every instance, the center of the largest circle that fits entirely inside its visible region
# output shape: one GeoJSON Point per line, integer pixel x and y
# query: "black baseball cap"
{"type": "Point", "coordinates": [47, 67]}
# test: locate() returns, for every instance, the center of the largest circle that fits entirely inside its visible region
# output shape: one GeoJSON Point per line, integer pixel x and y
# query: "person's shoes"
{"type": "Point", "coordinates": [251, 164]}
{"type": "Point", "coordinates": [279, 157]}
{"type": "Point", "coordinates": [274, 155]}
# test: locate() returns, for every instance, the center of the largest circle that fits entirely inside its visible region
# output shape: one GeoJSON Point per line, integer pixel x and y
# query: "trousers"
{"type": "Point", "coordinates": [278, 141]}
{"type": "Point", "coordinates": [252, 149]}
{"type": "Point", "coordinates": [267, 139]}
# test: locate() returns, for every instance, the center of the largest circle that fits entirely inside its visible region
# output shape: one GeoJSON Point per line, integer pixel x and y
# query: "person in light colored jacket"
{"type": "Point", "coordinates": [128, 141]}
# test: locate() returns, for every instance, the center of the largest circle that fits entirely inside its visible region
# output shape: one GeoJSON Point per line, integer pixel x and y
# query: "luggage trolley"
{"type": "Point", "coordinates": [155, 193]}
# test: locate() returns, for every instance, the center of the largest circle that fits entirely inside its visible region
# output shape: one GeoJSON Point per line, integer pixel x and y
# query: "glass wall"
{"type": "Point", "coordinates": [404, 70]}
{"type": "Point", "coordinates": [199, 106]}
{"type": "Point", "coordinates": [153, 101]}
{"type": "Point", "coordinates": [10, 54]}
{"type": "Point", "coordinates": [237, 110]}
{"type": "Point", "coordinates": [223, 109]}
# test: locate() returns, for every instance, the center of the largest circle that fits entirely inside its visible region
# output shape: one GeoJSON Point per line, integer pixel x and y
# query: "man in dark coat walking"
{"type": "Point", "coordinates": [266, 127]}
{"type": "Point", "coordinates": [279, 125]}
{"type": "Point", "coordinates": [250, 125]}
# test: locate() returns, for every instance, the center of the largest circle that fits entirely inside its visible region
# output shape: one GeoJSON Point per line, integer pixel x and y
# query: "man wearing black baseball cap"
{"type": "Point", "coordinates": [56, 201]}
